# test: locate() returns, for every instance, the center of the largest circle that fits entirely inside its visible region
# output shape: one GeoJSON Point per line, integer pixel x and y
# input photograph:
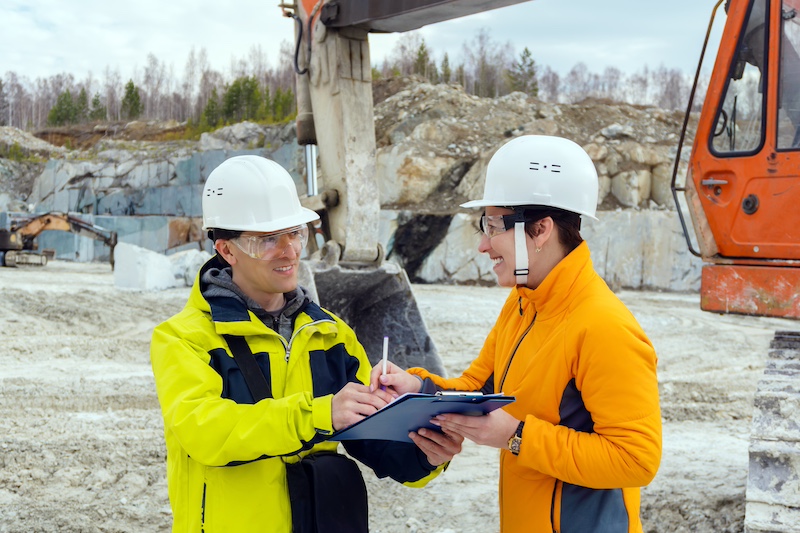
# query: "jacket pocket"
{"type": "Point", "coordinates": [555, 506]}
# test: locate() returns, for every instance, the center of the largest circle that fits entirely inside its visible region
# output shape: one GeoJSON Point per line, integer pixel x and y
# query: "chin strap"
{"type": "Point", "coordinates": [520, 249]}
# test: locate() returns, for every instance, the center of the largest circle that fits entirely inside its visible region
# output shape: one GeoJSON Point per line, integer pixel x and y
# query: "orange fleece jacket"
{"type": "Point", "coordinates": [584, 375]}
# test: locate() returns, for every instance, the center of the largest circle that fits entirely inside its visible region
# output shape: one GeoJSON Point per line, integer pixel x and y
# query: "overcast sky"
{"type": "Point", "coordinates": [40, 38]}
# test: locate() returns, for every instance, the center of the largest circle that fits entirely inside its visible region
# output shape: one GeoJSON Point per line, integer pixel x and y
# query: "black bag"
{"type": "Point", "coordinates": [328, 495]}
{"type": "Point", "coordinates": [326, 489]}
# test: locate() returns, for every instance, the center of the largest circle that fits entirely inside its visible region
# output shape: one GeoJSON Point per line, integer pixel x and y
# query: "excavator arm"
{"type": "Point", "coordinates": [18, 232]}
{"type": "Point", "coordinates": [335, 113]}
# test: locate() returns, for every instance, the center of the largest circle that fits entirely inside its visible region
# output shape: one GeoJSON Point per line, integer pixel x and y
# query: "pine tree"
{"type": "Point", "coordinates": [252, 99]}
{"type": "Point", "coordinates": [233, 102]}
{"type": "Point", "coordinates": [211, 114]}
{"type": "Point", "coordinates": [81, 107]}
{"type": "Point", "coordinates": [63, 112]}
{"type": "Point", "coordinates": [422, 60]}
{"type": "Point", "coordinates": [98, 110]}
{"type": "Point", "coordinates": [131, 106]}
{"type": "Point", "coordinates": [446, 72]}
{"type": "Point", "coordinates": [433, 72]}
{"type": "Point", "coordinates": [460, 76]}
{"type": "Point", "coordinates": [522, 74]}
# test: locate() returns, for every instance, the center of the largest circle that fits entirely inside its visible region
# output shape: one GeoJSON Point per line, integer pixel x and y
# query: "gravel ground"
{"type": "Point", "coordinates": [81, 431]}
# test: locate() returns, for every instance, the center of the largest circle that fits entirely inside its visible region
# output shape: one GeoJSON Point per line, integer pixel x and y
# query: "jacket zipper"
{"type": "Point", "coordinates": [288, 347]}
{"type": "Point", "coordinates": [513, 353]}
{"type": "Point", "coordinates": [203, 510]}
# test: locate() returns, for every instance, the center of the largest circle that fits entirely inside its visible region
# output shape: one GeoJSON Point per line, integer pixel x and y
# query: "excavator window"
{"type": "Point", "coordinates": [789, 77]}
{"type": "Point", "coordinates": [740, 118]}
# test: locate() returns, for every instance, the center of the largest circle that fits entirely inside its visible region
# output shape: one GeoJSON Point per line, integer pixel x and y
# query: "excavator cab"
{"type": "Point", "coordinates": [335, 114]}
{"type": "Point", "coordinates": [743, 184]}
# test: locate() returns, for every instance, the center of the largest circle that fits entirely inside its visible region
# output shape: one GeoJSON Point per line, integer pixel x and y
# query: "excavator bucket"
{"type": "Point", "coordinates": [376, 301]}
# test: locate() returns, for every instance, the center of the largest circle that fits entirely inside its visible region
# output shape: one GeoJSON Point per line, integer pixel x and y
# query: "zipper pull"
{"type": "Point", "coordinates": [520, 305]}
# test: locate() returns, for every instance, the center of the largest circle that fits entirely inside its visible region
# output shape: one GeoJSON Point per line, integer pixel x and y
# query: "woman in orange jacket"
{"type": "Point", "coordinates": [585, 431]}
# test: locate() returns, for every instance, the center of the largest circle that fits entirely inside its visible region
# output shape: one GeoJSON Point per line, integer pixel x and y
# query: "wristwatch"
{"type": "Point", "coordinates": [516, 439]}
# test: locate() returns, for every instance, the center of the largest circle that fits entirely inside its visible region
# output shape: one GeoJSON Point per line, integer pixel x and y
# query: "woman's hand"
{"type": "Point", "coordinates": [493, 429]}
{"type": "Point", "coordinates": [396, 381]}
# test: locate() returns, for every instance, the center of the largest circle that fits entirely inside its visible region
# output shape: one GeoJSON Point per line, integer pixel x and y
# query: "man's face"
{"type": "Point", "coordinates": [268, 262]}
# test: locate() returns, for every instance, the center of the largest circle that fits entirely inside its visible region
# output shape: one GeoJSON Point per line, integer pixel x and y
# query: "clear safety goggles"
{"type": "Point", "coordinates": [270, 246]}
{"type": "Point", "coordinates": [494, 225]}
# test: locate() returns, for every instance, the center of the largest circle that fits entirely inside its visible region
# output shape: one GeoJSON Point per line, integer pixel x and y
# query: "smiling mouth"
{"type": "Point", "coordinates": [284, 269]}
{"type": "Point", "coordinates": [497, 260]}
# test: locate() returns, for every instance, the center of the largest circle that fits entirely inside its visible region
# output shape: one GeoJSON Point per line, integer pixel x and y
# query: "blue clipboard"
{"type": "Point", "coordinates": [412, 411]}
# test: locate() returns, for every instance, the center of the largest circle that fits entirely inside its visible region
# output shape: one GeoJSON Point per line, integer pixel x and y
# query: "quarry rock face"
{"type": "Point", "coordinates": [433, 145]}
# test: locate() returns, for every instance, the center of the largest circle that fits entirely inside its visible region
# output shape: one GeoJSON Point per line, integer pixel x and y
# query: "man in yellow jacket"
{"type": "Point", "coordinates": [227, 453]}
{"type": "Point", "coordinates": [585, 431]}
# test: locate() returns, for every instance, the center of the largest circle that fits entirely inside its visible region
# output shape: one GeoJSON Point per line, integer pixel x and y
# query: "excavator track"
{"type": "Point", "coordinates": [773, 482]}
{"type": "Point", "coordinates": [13, 258]}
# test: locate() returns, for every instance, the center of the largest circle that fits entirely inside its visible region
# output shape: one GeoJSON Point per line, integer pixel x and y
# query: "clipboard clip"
{"type": "Point", "coordinates": [458, 393]}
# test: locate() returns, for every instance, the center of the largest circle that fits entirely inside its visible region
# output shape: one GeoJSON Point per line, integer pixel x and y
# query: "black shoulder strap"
{"type": "Point", "coordinates": [256, 382]}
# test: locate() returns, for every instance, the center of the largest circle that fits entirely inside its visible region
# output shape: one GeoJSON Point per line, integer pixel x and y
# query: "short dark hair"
{"type": "Point", "coordinates": [567, 222]}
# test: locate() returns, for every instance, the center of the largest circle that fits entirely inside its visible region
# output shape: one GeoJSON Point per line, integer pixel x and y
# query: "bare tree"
{"type": "Point", "coordinates": [669, 88]}
{"type": "Point", "coordinates": [153, 85]}
{"type": "Point", "coordinates": [485, 65]}
{"type": "Point", "coordinates": [3, 105]}
{"type": "Point", "coordinates": [188, 85]}
{"type": "Point", "coordinates": [578, 83]}
{"type": "Point", "coordinates": [610, 83]}
{"type": "Point", "coordinates": [112, 87]}
{"type": "Point", "coordinates": [549, 85]}
{"type": "Point", "coordinates": [639, 83]}
{"type": "Point", "coordinates": [404, 53]}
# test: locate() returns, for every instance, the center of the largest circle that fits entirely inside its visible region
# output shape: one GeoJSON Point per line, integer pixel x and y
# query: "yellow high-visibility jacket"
{"type": "Point", "coordinates": [584, 375]}
{"type": "Point", "coordinates": [226, 455]}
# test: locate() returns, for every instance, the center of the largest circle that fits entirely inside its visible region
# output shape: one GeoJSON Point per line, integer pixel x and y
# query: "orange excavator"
{"type": "Point", "coordinates": [18, 232]}
{"type": "Point", "coordinates": [742, 193]}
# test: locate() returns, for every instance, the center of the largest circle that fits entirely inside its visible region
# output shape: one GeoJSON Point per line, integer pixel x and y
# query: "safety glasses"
{"type": "Point", "coordinates": [270, 246]}
{"type": "Point", "coordinates": [494, 225]}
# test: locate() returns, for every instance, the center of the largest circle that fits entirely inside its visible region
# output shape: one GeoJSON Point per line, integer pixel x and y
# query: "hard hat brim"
{"type": "Point", "coordinates": [303, 217]}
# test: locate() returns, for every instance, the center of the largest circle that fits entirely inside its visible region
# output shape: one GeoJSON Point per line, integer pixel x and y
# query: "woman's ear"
{"type": "Point", "coordinates": [223, 248]}
{"type": "Point", "coordinates": [542, 231]}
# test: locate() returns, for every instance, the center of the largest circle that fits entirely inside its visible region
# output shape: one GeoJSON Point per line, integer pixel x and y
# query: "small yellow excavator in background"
{"type": "Point", "coordinates": [18, 232]}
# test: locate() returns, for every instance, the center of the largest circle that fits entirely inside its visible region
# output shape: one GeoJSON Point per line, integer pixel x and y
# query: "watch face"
{"type": "Point", "coordinates": [514, 444]}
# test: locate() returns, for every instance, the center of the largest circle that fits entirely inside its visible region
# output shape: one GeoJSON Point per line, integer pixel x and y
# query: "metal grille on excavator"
{"type": "Point", "coordinates": [773, 481]}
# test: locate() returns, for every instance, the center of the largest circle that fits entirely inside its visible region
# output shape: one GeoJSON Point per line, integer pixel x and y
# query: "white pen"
{"type": "Point", "coordinates": [385, 356]}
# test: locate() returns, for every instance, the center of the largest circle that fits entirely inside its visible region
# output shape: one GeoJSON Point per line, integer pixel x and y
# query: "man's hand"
{"type": "Point", "coordinates": [437, 447]}
{"type": "Point", "coordinates": [396, 381]}
{"type": "Point", "coordinates": [355, 402]}
{"type": "Point", "coordinates": [493, 429]}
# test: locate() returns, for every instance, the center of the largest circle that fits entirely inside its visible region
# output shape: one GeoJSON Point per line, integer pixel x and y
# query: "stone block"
{"type": "Point", "coordinates": [138, 268]}
{"type": "Point", "coordinates": [407, 177]}
{"type": "Point", "coordinates": [632, 188]}
{"type": "Point", "coordinates": [456, 259]}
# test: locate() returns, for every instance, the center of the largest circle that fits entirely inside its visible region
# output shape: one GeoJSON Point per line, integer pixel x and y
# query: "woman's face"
{"type": "Point", "coordinates": [500, 249]}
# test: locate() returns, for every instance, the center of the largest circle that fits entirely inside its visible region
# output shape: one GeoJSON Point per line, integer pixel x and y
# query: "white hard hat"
{"type": "Point", "coordinates": [252, 193]}
{"type": "Point", "coordinates": [539, 170]}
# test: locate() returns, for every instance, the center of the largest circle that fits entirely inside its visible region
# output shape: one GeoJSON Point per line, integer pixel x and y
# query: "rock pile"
{"type": "Point", "coordinates": [433, 145]}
